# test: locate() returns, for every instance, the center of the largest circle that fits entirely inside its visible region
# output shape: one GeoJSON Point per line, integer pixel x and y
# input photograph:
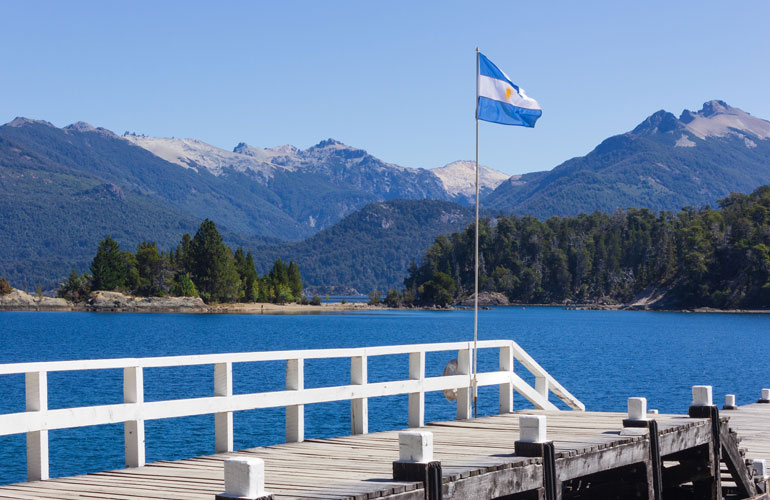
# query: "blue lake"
{"type": "Point", "coordinates": [602, 357]}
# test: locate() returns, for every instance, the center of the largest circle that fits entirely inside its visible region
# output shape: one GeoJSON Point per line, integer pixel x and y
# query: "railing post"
{"type": "Point", "coordinates": [506, 390]}
{"type": "Point", "coordinates": [359, 407]}
{"type": "Point", "coordinates": [223, 421]}
{"type": "Point", "coordinates": [417, 399]}
{"type": "Point", "coordinates": [133, 430]}
{"type": "Point", "coordinates": [464, 393]}
{"type": "Point", "coordinates": [295, 414]}
{"type": "Point", "coordinates": [541, 385]}
{"type": "Point", "coordinates": [37, 441]}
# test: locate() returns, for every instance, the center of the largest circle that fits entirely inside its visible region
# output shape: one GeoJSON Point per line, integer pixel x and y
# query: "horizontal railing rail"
{"type": "Point", "coordinates": [37, 420]}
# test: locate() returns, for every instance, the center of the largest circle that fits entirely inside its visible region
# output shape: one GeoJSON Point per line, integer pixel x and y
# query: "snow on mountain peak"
{"type": "Point", "coordinates": [196, 154]}
{"type": "Point", "coordinates": [459, 177]}
{"type": "Point", "coordinates": [718, 119]}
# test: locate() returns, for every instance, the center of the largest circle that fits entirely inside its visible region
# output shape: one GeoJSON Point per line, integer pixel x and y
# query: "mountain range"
{"type": "Point", "coordinates": [665, 163]}
{"type": "Point", "coordinates": [64, 189]}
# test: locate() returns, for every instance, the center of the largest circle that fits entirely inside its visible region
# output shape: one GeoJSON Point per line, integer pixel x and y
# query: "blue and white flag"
{"type": "Point", "coordinates": [501, 100]}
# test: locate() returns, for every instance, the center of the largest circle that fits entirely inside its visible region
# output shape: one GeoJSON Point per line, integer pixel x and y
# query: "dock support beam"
{"type": "Point", "coordinates": [656, 464]}
{"type": "Point", "coordinates": [223, 421]}
{"type": "Point", "coordinates": [417, 399]}
{"type": "Point", "coordinates": [703, 407]}
{"type": "Point", "coordinates": [133, 430]}
{"type": "Point", "coordinates": [37, 441]}
{"type": "Point", "coordinates": [359, 408]}
{"type": "Point", "coordinates": [295, 414]}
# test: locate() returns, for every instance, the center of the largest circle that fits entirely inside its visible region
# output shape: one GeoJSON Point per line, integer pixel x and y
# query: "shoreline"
{"type": "Point", "coordinates": [258, 308]}
{"type": "Point", "coordinates": [101, 301]}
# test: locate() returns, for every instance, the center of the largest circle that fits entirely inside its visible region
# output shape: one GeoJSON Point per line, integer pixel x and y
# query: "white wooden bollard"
{"type": "Point", "coordinates": [506, 389]}
{"type": "Point", "coordinates": [702, 405]}
{"type": "Point", "coordinates": [295, 414]}
{"type": "Point", "coordinates": [415, 446]}
{"type": "Point", "coordinates": [37, 441]}
{"type": "Point", "coordinates": [637, 413]}
{"type": "Point", "coordinates": [359, 407]}
{"type": "Point", "coordinates": [729, 402]}
{"type": "Point", "coordinates": [244, 479]}
{"type": "Point", "coordinates": [464, 396]}
{"type": "Point", "coordinates": [532, 428]}
{"type": "Point", "coordinates": [702, 395]}
{"type": "Point", "coordinates": [417, 399]}
{"type": "Point", "coordinates": [133, 430]}
{"type": "Point", "coordinates": [637, 408]}
{"type": "Point", "coordinates": [223, 421]}
{"type": "Point", "coordinates": [416, 463]}
{"type": "Point", "coordinates": [533, 438]}
{"type": "Point", "coordinates": [765, 396]}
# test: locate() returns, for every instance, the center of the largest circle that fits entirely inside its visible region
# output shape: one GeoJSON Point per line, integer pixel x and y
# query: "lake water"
{"type": "Point", "coordinates": [602, 357]}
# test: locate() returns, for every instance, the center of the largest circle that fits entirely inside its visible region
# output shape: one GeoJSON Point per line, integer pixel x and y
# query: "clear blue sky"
{"type": "Point", "coordinates": [396, 78]}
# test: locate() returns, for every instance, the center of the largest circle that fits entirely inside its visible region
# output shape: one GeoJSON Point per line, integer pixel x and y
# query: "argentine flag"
{"type": "Point", "coordinates": [501, 100]}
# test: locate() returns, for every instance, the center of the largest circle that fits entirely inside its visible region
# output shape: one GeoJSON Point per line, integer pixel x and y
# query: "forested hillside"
{"type": "Point", "coordinates": [371, 248]}
{"type": "Point", "coordinates": [699, 257]}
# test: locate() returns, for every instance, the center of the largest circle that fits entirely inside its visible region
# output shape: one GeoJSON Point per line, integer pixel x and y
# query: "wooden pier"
{"type": "Point", "coordinates": [708, 454]}
{"type": "Point", "coordinates": [593, 459]}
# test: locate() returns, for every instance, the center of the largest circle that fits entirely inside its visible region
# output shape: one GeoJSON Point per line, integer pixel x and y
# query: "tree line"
{"type": "Point", "coordinates": [702, 257]}
{"type": "Point", "coordinates": [200, 266]}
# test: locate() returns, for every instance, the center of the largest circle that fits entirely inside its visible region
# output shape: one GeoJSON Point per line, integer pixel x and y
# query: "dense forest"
{"type": "Point", "coordinates": [201, 265]}
{"type": "Point", "coordinates": [700, 257]}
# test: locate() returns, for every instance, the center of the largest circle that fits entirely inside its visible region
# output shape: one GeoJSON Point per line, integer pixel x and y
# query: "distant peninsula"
{"type": "Point", "coordinates": [100, 301]}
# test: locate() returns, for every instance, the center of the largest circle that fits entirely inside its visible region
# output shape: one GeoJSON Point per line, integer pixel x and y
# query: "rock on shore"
{"type": "Point", "coordinates": [115, 301]}
{"type": "Point", "coordinates": [488, 299]}
{"type": "Point", "coordinates": [19, 300]}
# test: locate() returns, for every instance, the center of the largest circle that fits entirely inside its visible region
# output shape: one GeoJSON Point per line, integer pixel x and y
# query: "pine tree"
{"type": "Point", "coordinates": [151, 268]}
{"type": "Point", "coordinates": [251, 283]}
{"type": "Point", "coordinates": [213, 266]}
{"type": "Point", "coordinates": [108, 267]}
{"type": "Point", "coordinates": [295, 281]}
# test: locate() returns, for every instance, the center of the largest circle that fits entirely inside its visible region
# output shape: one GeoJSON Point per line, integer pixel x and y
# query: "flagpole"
{"type": "Point", "coordinates": [476, 266]}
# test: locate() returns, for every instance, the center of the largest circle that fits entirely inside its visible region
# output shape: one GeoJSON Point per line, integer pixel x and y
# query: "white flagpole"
{"type": "Point", "coordinates": [476, 267]}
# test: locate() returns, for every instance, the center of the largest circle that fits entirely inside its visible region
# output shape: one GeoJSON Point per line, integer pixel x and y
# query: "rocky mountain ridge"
{"type": "Point", "coordinates": [664, 163]}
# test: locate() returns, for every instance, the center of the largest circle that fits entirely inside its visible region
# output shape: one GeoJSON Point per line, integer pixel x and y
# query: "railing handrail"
{"type": "Point", "coordinates": [134, 410]}
{"type": "Point", "coordinates": [242, 357]}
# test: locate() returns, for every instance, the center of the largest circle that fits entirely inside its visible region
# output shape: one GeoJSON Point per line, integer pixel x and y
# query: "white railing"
{"type": "Point", "coordinates": [37, 420]}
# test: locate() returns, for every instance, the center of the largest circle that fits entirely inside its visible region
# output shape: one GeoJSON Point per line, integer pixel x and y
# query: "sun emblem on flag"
{"type": "Point", "coordinates": [508, 93]}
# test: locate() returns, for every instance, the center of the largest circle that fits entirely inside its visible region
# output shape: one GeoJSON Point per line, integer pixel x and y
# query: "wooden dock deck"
{"type": "Point", "coordinates": [594, 458]}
